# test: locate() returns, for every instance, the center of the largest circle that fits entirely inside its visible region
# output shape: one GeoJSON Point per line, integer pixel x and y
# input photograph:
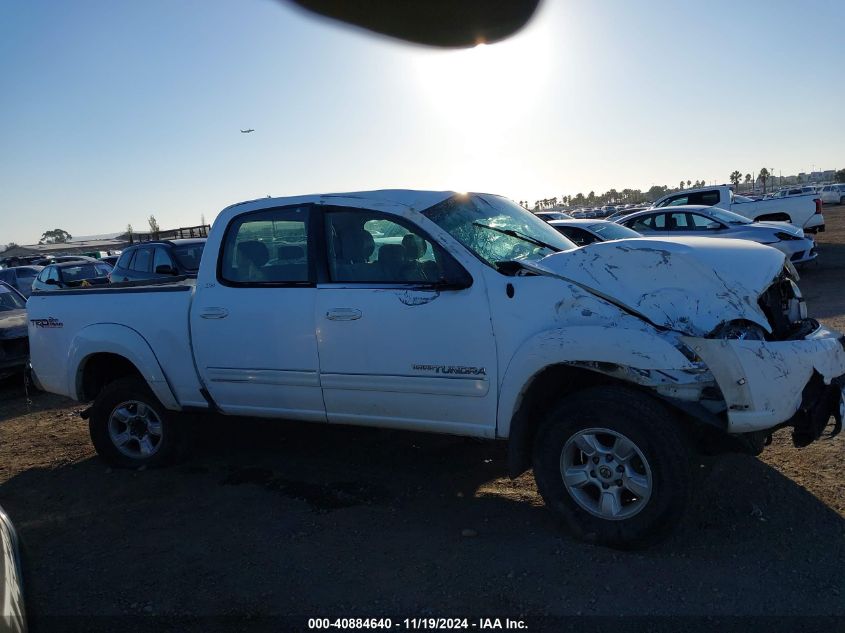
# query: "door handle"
{"type": "Point", "coordinates": [343, 314]}
{"type": "Point", "coordinates": [214, 313]}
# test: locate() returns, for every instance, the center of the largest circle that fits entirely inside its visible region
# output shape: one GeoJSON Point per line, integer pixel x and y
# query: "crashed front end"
{"type": "Point", "coordinates": [792, 376]}
{"type": "Point", "coordinates": [754, 361]}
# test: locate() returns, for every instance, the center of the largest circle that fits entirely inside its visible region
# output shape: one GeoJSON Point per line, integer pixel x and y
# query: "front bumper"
{"type": "Point", "coordinates": [770, 384]}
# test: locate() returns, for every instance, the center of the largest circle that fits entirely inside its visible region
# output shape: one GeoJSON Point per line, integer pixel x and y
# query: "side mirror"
{"type": "Point", "coordinates": [164, 269]}
{"type": "Point", "coordinates": [455, 278]}
{"type": "Point", "coordinates": [51, 282]}
{"type": "Point", "coordinates": [714, 226]}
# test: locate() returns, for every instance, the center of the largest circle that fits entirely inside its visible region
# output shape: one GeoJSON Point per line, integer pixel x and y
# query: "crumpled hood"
{"type": "Point", "coordinates": [690, 284]}
{"type": "Point", "coordinates": [13, 324]}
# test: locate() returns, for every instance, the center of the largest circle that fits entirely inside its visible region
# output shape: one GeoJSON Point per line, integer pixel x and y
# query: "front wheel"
{"type": "Point", "coordinates": [613, 464]}
{"type": "Point", "coordinates": [130, 428]}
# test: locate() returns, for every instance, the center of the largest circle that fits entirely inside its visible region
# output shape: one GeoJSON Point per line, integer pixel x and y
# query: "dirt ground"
{"type": "Point", "coordinates": [296, 520]}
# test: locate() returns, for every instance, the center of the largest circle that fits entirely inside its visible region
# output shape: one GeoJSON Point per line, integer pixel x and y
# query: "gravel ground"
{"type": "Point", "coordinates": [295, 520]}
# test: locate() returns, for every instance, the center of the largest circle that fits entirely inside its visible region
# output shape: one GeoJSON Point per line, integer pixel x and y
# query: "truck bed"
{"type": "Point", "coordinates": [62, 321]}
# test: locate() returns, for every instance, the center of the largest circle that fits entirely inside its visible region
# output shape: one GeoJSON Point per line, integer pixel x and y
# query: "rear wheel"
{"type": "Point", "coordinates": [130, 428]}
{"type": "Point", "coordinates": [613, 464]}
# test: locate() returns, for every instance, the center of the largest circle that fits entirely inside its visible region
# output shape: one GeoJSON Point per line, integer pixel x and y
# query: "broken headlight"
{"type": "Point", "coordinates": [783, 304]}
{"type": "Point", "coordinates": [740, 331]}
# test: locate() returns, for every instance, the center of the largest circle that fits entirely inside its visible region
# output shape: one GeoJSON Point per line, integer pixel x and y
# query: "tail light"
{"type": "Point", "coordinates": [818, 202]}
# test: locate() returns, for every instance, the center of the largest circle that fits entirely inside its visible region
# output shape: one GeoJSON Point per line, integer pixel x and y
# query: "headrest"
{"type": "Point", "coordinates": [254, 251]}
{"type": "Point", "coordinates": [356, 245]}
{"type": "Point", "coordinates": [414, 246]}
{"type": "Point", "coordinates": [391, 254]}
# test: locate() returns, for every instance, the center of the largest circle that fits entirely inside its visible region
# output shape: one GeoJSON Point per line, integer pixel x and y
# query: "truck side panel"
{"type": "Point", "coordinates": [67, 327]}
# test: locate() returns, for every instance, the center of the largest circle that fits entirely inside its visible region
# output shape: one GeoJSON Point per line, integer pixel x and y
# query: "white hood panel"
{"type": "Point", "coordinates": [690, 285]}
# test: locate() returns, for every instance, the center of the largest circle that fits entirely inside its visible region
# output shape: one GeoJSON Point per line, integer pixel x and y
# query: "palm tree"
{"type": "Point", "coordinates": [735, 178]}
{"type": "Point", "coordinates": [748, 180]}
{"type": "Point", "coordinates": [764, 176]}
{"type": "Point", "coordinates": [681, 185]}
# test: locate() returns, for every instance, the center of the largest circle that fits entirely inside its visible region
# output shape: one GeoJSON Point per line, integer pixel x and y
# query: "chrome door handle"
{"type": "Point", "coordinates": [343, 314]}
{"type": "Point", "coordinates": [214, 313]}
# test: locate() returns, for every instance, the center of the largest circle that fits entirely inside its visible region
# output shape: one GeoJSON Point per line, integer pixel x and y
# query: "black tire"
{"type": "Point", "coordinates": [655, 434]}
{"type": "Point", "coordinates": [170, 443]}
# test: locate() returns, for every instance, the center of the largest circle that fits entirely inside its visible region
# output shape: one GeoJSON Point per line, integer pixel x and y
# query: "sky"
{"type": "Point", "coordinates": [112, 111]}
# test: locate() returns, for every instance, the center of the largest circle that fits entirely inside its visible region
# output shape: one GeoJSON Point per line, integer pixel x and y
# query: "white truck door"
{"type": "Point", "coordinates": [253, 326]}
{"type": "Point", "coordinates": [395, 350]}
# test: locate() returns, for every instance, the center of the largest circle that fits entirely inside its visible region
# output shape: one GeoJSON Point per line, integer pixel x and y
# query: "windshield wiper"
{"type": "Point", "coordinates": [519, 236]}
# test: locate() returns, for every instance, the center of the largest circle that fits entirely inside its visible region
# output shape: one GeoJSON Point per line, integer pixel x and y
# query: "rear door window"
{"type": "Point", "coordinates": [142, 260]}
{"type": "Point", "coordinates": [648, 223]}
{"type": "Point", "coordinates": [161, 258]}
{"type": "Point", "coordinates": [124, 260]}
{"type": "Point", "coordinates": [678, 222]}
{"type": "Point", "coordinates": [268, 247]}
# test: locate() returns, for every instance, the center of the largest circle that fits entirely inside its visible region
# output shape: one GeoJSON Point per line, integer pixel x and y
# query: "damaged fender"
{"type": "Point", "coordinates": [763, 382]}
{"type": "Point", "coordinates": [638, 355]}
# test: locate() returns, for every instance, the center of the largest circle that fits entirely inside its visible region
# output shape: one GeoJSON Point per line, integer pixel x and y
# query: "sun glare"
{"type": "Point", "coordinates": [488, 87]}
{"type": "Point", "coordinates": [479, 95]}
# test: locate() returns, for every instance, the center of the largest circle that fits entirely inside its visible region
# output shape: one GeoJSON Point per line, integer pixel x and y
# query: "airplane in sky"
{"type": "Point", "coordinates": [247, 131]}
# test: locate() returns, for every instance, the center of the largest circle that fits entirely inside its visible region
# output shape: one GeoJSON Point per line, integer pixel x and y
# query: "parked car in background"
{"type": "Point", "coordinates": [628, 210]}
{"type": "Point", "coordinates": [833, 194]}
{"type": "Point", "coordinates": [20, 277]}
{"type": "Point", "coordinates": [789, 192]}
{"type": "Point", "coordinates": [552, 215]}
{"type": "Point", "coordinates": [156, 260]}
{"type": "Point", "coordinates": [12, 608]}
{"type": "Point", "coordinates": [584, 232]}
{"type": "Point", "coordinates": [603, 366]}
{"type": "Point", "coordinates": [111, 260]}
{"type": "Point", "coordinates": [699, 221]}
{"type": "Point", "coordinates": [73, 274]}
{"type": "Point", "coordinates": [804, 211]}
{"type": "Point", "coordinates": [14, 341]}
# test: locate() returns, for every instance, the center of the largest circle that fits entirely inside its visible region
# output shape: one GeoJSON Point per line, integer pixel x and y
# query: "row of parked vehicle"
{"type": "Point", "coordinates": [702, 213]}
{"type": "Point", "coordinates": [692, 221]}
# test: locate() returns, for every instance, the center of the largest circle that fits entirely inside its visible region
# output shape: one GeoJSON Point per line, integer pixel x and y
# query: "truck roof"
{"type": "Point", "coordinates": [388, 200]}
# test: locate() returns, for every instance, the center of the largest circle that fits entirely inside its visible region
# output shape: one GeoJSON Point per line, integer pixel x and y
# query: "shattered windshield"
{"type": "Point", "coordinates": [495, 229]}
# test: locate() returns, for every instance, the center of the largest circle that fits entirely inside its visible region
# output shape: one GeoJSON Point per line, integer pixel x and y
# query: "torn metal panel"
{"type": "Point", "coordinates": [763, 381]}
{"type": "Point", "coordinates": [690, 285]}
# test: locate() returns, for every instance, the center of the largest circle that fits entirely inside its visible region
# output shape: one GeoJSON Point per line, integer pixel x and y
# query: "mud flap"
{"type": "Point", "coordinates": [818, 403]}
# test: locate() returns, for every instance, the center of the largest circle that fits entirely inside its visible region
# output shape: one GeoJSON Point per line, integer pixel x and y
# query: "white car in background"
{"type": "Point", "coordinates": [700, 221]}
{"type": "Point", "coordinates": [833, 194]}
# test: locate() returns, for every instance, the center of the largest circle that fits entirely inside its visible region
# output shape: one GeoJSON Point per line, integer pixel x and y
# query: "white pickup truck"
{"type": "Point", "coordinates": [605, 367]}
{"type": "Point", "coordinates": [804, 211]}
